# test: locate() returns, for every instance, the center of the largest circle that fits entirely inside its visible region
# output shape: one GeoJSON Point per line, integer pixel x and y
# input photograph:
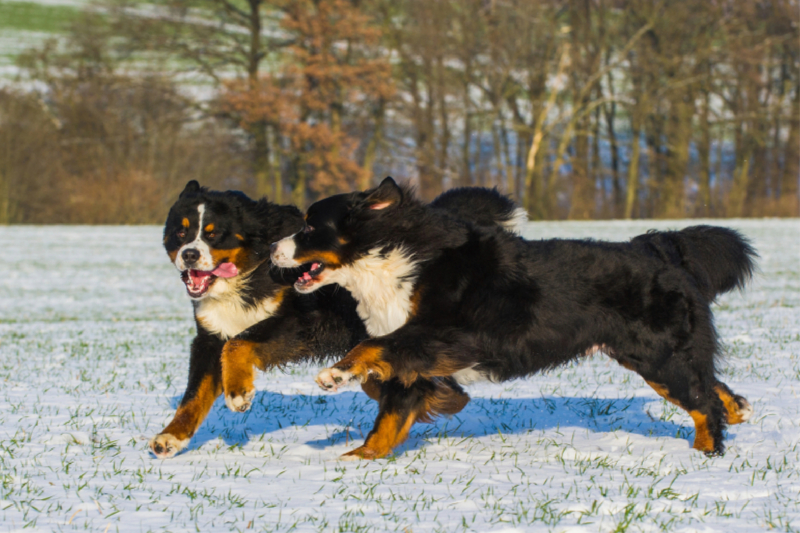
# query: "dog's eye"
{"type": "Point", "coordinates": [308, 229]}
{"type": "Point", "coordinates": [181, 234]}
{"type": "Point", "coordinates": [211, 235]}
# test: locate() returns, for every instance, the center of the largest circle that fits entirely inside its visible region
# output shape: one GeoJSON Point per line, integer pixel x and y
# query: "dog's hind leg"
{"type": "Point", "coordinates": [401, 406]}
{"type": "Point", "coordinates": [737, 408]}
{"type": "Point", "coordinates": [372, 388]}
{"type": "Point", "coordinates": [694, 391]}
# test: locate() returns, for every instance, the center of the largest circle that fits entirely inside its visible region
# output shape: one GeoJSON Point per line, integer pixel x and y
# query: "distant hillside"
{"type": "Point", "coordinates": [25, 24]}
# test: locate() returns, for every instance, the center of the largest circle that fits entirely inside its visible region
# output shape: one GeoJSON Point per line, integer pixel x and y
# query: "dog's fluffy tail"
{"type": "Point", "coordinates": [482, 206]}
{"type": "Point", "coordinates": [719, 259]}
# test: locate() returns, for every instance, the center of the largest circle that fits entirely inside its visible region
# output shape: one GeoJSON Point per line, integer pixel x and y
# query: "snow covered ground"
{"type": "Point", "coordinates": [94, 335]}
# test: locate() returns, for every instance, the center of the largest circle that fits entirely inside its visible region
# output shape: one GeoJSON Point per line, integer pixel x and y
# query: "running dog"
{"type": "Point", "coordinates": [247, 316]}
{"type": "Point", "coordinates": [448, 301]}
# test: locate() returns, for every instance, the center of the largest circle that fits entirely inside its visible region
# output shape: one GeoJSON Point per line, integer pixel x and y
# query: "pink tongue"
{"type": "Point", "coordinates": [225, 270]}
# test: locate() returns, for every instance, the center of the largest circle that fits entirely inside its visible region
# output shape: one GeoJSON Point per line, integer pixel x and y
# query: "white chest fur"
{"type": "Point", "coordinates": [383, 286]}
{"type": "Point", "coordinates": [227, 315]}
{"type": "Point", "coordinates": [469, 375]}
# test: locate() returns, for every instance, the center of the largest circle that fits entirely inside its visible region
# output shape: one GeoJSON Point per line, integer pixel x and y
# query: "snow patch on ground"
{"type": "Point", "coordinates": [94, 336]}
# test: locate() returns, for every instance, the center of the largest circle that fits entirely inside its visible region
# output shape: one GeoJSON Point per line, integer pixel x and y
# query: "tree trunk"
{"type": "Point", "coordinates": [275, 166]}
{"type": "Point", "coordinates": [258, 130]}
{"type": "Point", "coordinates": [633, 167]}
{"type": "Point", "coordinates": [741, 173]}
{"type": "Point", "coordinates": [426, 131]}
{"type": "Point", "coordinates": [758, 184]}
{"type": "Point", "coordinates": [374, 143]}
{"type": "Point", "coordinates": [554, 183]}
{"type": "Point", "coordinates": [466, 171]}
{"type": "Point", "coordinates": [704, 207]}
{"type": "Point", "coordinates": [583, 189]}
{"type": "Point", "coordinates": [654, 129]}
{"type": "Point", "coordinates": [497, 154]}
{"type": "Point", "coordinates": [610, 114]}
{"type": "Point", "coordinates": [679, 135]}
{"type": "Point", "coordinates": [444, 124]}
{"type": "Point", "coordinates": [542, 209]}
{"type": "Point", "coordinates": [262, 169]}
{"type": "Point", "coordinates": [299, 182]}
{"type": "Point", "coordinates": [532, 192]}
{"type": "Point", "coordinates": [596, 167]}
{"type": "Point", "coordinates": [506, 148]}
{"type": "Point", "coordinates": [5, 199]}
{"type": "Point", "coordinates": [790, 203]}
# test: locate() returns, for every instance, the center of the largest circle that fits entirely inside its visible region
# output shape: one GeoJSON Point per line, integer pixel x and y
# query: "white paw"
{"type": "Point", "coordinates": [165, 445]}
{"type": "Point", "coordinates": [240, 404]}
{"type": "Point", "coordinates": [349, 457]}
{"type": "Point", "coordinates": [331, 379]}
{"type": "Point", "coordinates": [746, 410]}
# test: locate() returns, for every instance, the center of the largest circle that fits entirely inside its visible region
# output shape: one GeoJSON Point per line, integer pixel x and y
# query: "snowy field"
{"type": "Point", "coordinates": [94, 336]}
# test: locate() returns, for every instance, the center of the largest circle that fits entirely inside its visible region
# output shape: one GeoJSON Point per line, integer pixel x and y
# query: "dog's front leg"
{"type": "Point", "coordinates": [205, 384]}
{"type": "Point", "coordinates": [271, 342]}
{"type": "Point", "coordinates": [411, 352]}
{"type": "Point", "coordinates": [239, 360]}
{"type": "Point", "coordinates": [363, 362]}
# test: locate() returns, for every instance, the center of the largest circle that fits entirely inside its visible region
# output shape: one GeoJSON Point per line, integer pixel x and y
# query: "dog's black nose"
{"type": "Point", "coordinates": [190, 256]}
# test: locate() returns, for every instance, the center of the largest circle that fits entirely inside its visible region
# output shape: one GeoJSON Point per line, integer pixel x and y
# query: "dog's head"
{"type": "Point", "coordinates": [339, 231]}
{"type": "Point", "coordinates": [215, 238]}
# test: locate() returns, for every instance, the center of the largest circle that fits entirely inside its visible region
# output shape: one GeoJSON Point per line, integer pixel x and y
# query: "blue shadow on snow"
{"type": "Point", "coordinates": [273, 411]}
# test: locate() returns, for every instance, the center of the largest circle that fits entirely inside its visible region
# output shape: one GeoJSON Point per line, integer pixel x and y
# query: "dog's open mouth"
{"type": "Point", "coordinates": [310, 276]}
{"type": "Point", "coordinates": [199, 281]}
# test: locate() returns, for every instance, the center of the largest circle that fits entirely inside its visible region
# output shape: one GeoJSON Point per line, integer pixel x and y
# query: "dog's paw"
{"type": "Point", "coordinates": [745, 410]}
{"type": "Point", "coordinates": [241, 401]}
{"type": "Point", "coordinates": [165, 445]}
{"type": "Point", "coordinates": [363, 453]}
{"type": "Point", "coordinates": [331, 379]}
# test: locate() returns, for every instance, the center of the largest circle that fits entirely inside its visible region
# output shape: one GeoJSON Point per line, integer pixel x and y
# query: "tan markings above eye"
{"type": "Point", "coordinates": [185, 222]}
{"type": "Point", "coordinates": [209, 228]}
{"type": "Point", "coordinates": [239, 237]}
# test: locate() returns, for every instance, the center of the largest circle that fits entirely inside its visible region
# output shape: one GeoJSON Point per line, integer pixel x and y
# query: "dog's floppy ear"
{"type": "Point", "coordinates": [191, 188]}
{"type": "Point", "coordinates": [387, 194]}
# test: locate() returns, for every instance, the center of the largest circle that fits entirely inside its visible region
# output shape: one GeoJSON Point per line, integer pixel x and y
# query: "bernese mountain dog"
{"type": "Point", "coordinates": [247, 314]}
{"type": "Point", "coordinates": [450, 302]}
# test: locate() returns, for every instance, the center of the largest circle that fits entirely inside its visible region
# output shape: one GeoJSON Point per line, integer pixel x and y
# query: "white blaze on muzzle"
{"type": "Point", "coordinates": [205, 261]}
{"type": "Point", "coordinates": [283, 253]}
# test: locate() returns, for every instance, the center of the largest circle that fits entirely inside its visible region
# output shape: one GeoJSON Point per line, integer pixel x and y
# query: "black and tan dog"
{"type": "Point", "coordinates": [247, 315]}
{"type": "Point", "coordinates": [446, 300]}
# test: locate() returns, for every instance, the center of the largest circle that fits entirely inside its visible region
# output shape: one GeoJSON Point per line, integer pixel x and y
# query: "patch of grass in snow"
{"type": "Point", "coordinates": [29, 16]}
